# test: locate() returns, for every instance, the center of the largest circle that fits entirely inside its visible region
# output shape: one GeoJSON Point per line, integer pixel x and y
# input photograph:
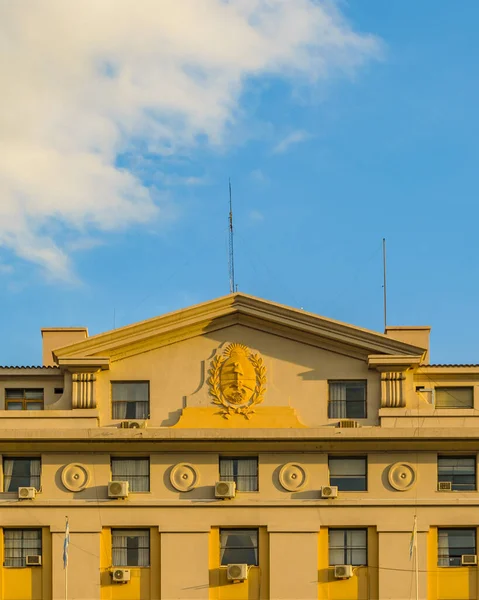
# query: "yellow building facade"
{"type": "Point", "coordinates": [239, 450]}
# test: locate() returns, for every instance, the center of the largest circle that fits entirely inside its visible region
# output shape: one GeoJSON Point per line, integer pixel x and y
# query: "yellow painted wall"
{"type": "Point", "coordinates": [364, 583]}
{"type": "Point", "coordinates": [27, 583]}
{"type": "Point", "coordinates": [144, 583]}
{"type": "Point", "coordinates": [256, 587]}
{"type": "Point", "coordinates": [449, 583]}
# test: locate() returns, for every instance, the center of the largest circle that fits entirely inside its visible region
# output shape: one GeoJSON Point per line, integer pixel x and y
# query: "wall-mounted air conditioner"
{"type": "Point", "coordinates": [26, 493]}
{"type": "Point", "coordinates": [469, 559]}
{"type": "Point", "coordinates": [225, 489]}
{"type": "Point", "coordinates": [120, 575]}
{"type": "Point", "coordinates": [118, 489]}
{"type": "Point", "coordinates": [343, 571]}
{"type": "Point", "coordinates": [329, 491]}
{"type": "Point", "coordinates": [237, 572]}
{"type": "Point", "coordinates": [444, 486]}
{"type": "Point", "coordinates": [33, 560]}
{"type": "Point", "coordinates": [133, 424]}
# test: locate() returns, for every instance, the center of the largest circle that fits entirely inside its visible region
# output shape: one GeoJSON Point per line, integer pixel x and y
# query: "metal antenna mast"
{"type": "Point", "coordinates": [231, 261]}
{"type": "Point", "coordinates": [384, 285]}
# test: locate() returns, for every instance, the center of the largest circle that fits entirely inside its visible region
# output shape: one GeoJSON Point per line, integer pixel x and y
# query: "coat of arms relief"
{"type": "Point", "coordinates": [237, 381]}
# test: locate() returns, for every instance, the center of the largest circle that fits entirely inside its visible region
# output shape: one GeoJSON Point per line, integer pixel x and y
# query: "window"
{"type": "Point", "coordinates": [348, 473]}
{"type": "Point", "coordinates": [19, 543]}
{"type": "Point", "coordinates": [348, 547]}
{"type": "Point", "coordinates": [130, 547]}
{"type": "Point", "coordinates": [134, 470]}
{"type": "Point", "coordinates": [459, 470]}
{"type": "Point", "coordinates": [239, 546]}
{"type": "Point", "coordinates": [24, 399]}
{"type": "Point", "coordinates": [130, 399]}
{"type": "Point", "coordinates": [21, 472]}
{"type": "Point", "coordinates": [452, 544]}
{"type": "Point", "coordinates": [454, 397]}
{"type": "Point", "coordinates": [243, 471]}
{"type": "Point", "coordinates": [347, 400]}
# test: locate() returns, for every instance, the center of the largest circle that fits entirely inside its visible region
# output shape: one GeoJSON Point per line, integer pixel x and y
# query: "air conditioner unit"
{"type": "Point", "coordinates": [118, 489]}
{"type": "Point", "coordinates": [469, 559]}
{"type": "Point", "coordinates": [133, 424]}
{"type": "Point", "coordinates": [26, 493]}
{"type": "Point", "coordinates": [343, 571]}
{"type": "Point", "coordinates": [349, 423]}
{"type": "Point", "coordinates": [225, 489]}
{"type": "Point", "coordinates": [120, 575]}
{"type": "Point", "coordinates": [33, 560]}
{"type": "Point", "coordinates": [237, 572]}
{"type": "Point", "coordinates": [444, 486]}
{"type": "Point", "coordinates": [329, 491]}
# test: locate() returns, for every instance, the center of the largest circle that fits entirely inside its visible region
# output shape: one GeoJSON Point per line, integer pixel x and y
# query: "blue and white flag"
{"type": "Point", "coordinates": [66, 543]}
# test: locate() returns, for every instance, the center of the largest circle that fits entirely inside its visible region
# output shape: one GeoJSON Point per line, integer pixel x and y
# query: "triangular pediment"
{"type": "Point", "coordinates": [237, 309]}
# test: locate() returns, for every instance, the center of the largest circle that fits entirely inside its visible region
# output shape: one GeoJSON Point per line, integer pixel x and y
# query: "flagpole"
{"type": "Point", "coordinates": [66, 543]}
{"type": "Point", "coordinates": [416, 558]}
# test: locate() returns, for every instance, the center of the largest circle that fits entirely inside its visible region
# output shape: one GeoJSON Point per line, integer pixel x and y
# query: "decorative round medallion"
{"type": "Point", "coordinates": [401, 476]}
{"type": "Point", "coordinates": [292, 477]}
{"type": "Point", "coordinates": [75, 477]}
{"type": "Point", "coordinates": [184, 477]}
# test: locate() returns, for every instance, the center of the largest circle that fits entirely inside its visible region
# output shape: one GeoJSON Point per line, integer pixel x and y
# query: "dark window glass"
{"type": "Point", "coordinates": [24, 399]}
{"type": "Point", "coordinates": [348, 473]}
{"type": "Point", "coordinates": [454, 397]}
{"type": "Point", "coordinates": [452, 544]}
{"type": "Point", "coordinates": [134, 470]}
{"type": "Point", "coordinates": [130, 547]}
{"type": "Point", "coordinates": [130, 400]}
{"type": "Point", "coordinates": [459, 470]}
{"type": "Point", "coordinates": [21, 472]}
{"type": "Point", "coordinates": [239, 546]}
{"type": "Point", "coordinates": [347, 400]}
{"type": "Point", "coordinates": [19, 543]}
{"type": "Point", "coordinates": [243, 471]}
{"type": "Point", "coordinates": [348, 547]}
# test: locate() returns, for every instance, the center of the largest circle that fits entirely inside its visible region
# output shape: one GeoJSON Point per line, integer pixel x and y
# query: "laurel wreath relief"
{"type": "Point", "coordinates": [258, 393]}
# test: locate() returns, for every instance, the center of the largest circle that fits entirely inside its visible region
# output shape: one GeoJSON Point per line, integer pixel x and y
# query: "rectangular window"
{"type": "Point", "coordinates": [454, 397]}
{"type": "Point", "coordinates": [348, 547]}
{"type": "Point", "coordinates": [459, 470]}
{"type": "Point", "coordinates": [19, 543]}
{"type": "Point", "coordinates": [24, 399]}
{"type": "Point", "coordinates": [347, 400]}
{"type": "Point", "coordinates": [21, 472]}
{"type": "Point", "coordinates": [243, 471]}
{"type": "Point", "coordinates": [348, 473]}
{"type": "Point", "coordinates": [130, 547]}
{"type": "Point", "coordinates": [134, 470]}
{"type": "Point", "coordinates": [452, 544]}
{"type": "Point", "coordinates": [130, 399]}
{"type": "Point", "coordinates": [239, 546]}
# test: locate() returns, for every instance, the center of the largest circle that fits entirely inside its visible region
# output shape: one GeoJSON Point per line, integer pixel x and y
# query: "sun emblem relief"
{"type": "Point", "coordinates": [237, 381]}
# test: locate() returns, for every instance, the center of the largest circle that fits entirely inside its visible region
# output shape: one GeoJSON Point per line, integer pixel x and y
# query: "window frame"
{"type": "Point", "coordinates": [24, 401]}
{"type": "Point", "coordinates": [132, 529]}
{"type": "Point", "coordinates": [22, 548]}
{"type": "Point", "coordinates": [344, 458]}
{"type": "Point", "coordinates": [125, 478]}
{"type": "Point", "coordinates": [347, 548]}
{"type": "Point", "coordinates": [30, 458]}
{"type": "Point", "coordinates": [239, 529]}
{"type": "Point", "coordinates": [472, 457]}
{"type": "Point", "coordinates": [453, 387]}
{"type": "Point", "coordinates": [113, 401]}
{"type": "Point", "coordinates": [455, 557]}
{"type": "Point", "coordinates": [235, 476]}
{"type": "Point", "coordinates": [348, 381]}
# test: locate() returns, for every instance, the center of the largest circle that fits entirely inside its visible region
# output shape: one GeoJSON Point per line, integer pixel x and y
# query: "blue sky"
{"type": "Point", "coordinates": [326, 159]}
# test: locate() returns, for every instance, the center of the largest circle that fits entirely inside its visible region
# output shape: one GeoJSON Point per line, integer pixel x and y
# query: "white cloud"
{"type": "Point", "coordinates": [256, 216]}
{"type": "Point", "coordinates": [293, 138]}
{"type": "Point", "coordinates": [85, 81]}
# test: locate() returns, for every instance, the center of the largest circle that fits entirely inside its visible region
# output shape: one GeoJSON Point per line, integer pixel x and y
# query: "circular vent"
{"type": "Point", "coordinates": [340, 571]}
{"type": "Point", "coordinates": [23, 493]}
{"type": "Point", "coordinates": [118, 574]}
{"type": "Point", "coordinates": [116, 488]}
{"type": "Point", "coordinates": [222, 488]}
{"type": "Point", "coordinates": [235, 571]}
{"type": "Point", "coordinates": [326, 490]}
{"type": "Point", "coordinates": [134, 425]}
